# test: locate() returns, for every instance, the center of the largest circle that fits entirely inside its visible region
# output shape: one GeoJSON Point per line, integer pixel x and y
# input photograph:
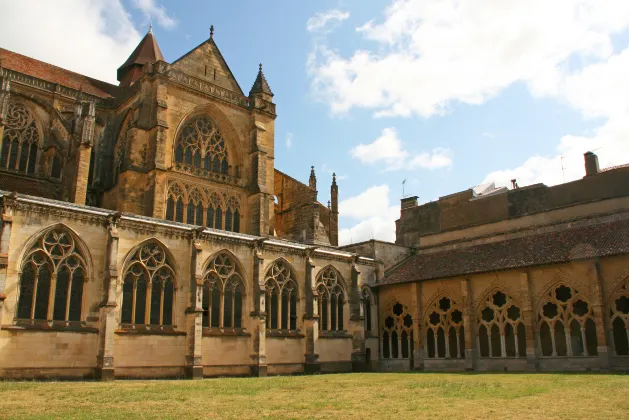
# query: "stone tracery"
{"type": "Point", "coordinates": [200, 144]}
{"type": "Point", "coordinates": [566, 324]}
{"type": "Point", "coordinates": [444, 330]}
{"type": "Point", "coordinates": [54, 263]}
{"type": "Point", "coordinates": [223, 290]}
{"type": "Point", "coordinates": [331, 300]}
{"type": "Point", "coordinates": [397, 333]}
{"type": "Point", "coordinates": [281, 297]}
{"type": "Point", "coordinates": [501, 332]}
{"type": "Point", "coordinates": [619, 316]}
{"type": "Point", "coordinates": [20, 142]}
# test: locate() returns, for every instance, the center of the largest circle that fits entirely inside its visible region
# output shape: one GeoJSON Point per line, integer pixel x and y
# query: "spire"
{"type": "Point", "coordinates": [334, 179]}
{"type": "Point", "coordinates": [313, 179]}
{"type": "Point", "coordinates": [260, 85]}
{"type": "Point", "coordinates": [147, 51]}
{"type": "Point", "coordinates": [211, 31]}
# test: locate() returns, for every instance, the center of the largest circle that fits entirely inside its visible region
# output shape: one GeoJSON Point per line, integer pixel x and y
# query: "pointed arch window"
{"type": "Point", "coordinates": [174, 203]}
{"type": "Point", "coordinates": [331, 300]}
{"type": "Point", "coordinates": [55, 166]}
{"type": "Point", "coordinates": [566, 324]}
{"type": "Point", "coordinates": [619, 313]}
{"type": "Point", "coordinates": [201, 145]}
{"type": "Point", "coordinates": [397, 333]}
{"type": "Point", "coordinates": [223, 290]}
{"type": "Point", "coordinates": [232, 215]}
{"type": "Point", "coordinates": [20, 142]}
{"type": "Point", "coordinates": [367, 302]}
{"type": "Point", "coordinates": [52, 277]}
{"type": "Point", "coordinates": [445, 336]}
{"type": "Point", "coordinates": [281, 297]}
{"type": "Point", "coordinates": [501, 332]}
{"type": "Point", "coordinates": [148, 289]}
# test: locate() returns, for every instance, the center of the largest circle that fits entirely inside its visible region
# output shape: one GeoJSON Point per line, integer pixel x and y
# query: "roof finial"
{"type": "Point", "coordinates": [260, 67]}
{"type": "Point", "coordinates": [151, 26]}
{"type": "Point", "coordinates": [211, 31]}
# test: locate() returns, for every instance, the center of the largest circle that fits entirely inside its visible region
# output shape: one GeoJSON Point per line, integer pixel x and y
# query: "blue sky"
{"type": "Point", "coordinates": [443, 93]}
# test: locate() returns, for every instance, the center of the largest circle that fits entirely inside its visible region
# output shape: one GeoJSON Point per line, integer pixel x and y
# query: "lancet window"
{"type": "Point", "coordinates": [202, 208]}
{"type": "Point", "coordinates": [331, 300]}
{"type": "Point", "coordinates": [367, 302]}
{"type": "Point", "coordinates": [201, 145]}
{"type": "Point", "coordinates": [619, 312]}
{"type": "Point", "coordinates": [445, 337]}
{"type": "Point", "coordinates": [51, 280]}
{"type": "Point", "coordinates": [397, 333]}
{"type": "Point", "coordinates": [223, 290]}
{"type": "Point", "coordinates": [55, 166]}
{"type": "Point", "coordinates": [20, 142]}
{"type": "Point", "coordinates": [566, 324]}
{"type": "Point", "coordinates": [281, 297]}
{"type": "Point", "coordinates": [148, 290]}
{"type": "Point", "coordinates": [500, 328]}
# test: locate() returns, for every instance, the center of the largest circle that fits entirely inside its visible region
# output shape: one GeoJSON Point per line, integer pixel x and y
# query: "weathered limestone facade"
{"type": "Point", "coordinates": [528, 279]}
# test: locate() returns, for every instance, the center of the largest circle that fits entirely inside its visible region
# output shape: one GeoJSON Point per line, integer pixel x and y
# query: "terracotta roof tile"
{"type": "Point", "coordinates": [54, 74]}
{"type": "Point", "coordinates": [605, 239]}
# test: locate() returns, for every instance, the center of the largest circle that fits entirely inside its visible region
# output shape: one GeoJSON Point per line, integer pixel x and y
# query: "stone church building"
{"type": "Point", "coordinates": [147, 233]}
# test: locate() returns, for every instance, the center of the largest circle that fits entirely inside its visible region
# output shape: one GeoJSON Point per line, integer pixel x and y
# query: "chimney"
{"type": "Point", "coordinates": [408, 202]}
{"type": "Point", "coordinates": [591, 163]}
{"type": "Point", "coordinates": [514, 183]}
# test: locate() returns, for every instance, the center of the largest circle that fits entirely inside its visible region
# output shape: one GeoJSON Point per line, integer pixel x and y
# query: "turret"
{"type": "Point", "coordinates": [313, 179]}
{"type": "Point", "coordinates": [261, 87]}
{"type": "Point", "coordinates": [147, 51]}
{"type": "Point", "coordinates": [334, 216]}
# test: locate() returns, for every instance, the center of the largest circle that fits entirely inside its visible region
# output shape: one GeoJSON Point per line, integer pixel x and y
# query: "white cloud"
{"type": "Point", "coordinates": [325, 21]}
{"type": "Point", "coordinates": [89, 37]}
{"type": "Point", "coordinates": [429, 54]}
{"type": "Point", "coordinates": [377, 216]}
{"type": "Point", "coordinates": [289, 140]}
{"type": "Point", "coordinates": [325, 168]}
{"type": "Point", "coordinates": [388, 149]}
{"type": "Point", "coordinates": [152, 10]}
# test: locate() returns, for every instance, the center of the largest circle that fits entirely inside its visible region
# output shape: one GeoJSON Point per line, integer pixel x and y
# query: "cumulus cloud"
{"type": "Point", "coordinates": [152, 10]}
{"type": "Point", "coordinates": [389, 150]}
{"type": "Point", "coordinates": [429, 54]}
{"type": "Point", "coordinates": [324, 22]}
{"type": "Point", "coordinates": [377, 217]}
{"type": "Point", "coordinates": [90, 37]}
{"type": "Point", "coordinates": [326, 169]}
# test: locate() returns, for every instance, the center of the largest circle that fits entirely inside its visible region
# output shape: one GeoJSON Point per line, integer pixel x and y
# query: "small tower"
{"type": "Point", "coordinates": [313, 179]}
{"type": "Point", "coordinates": [334, 216]}
{"type": "Point", "coordinates": [147, 51]}
{"type": "Point", "coordinates": [261, 87]}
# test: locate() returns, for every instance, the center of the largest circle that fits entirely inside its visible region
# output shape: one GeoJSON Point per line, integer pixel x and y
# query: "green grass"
{"type": "Point", "coordinates": [357, 396]}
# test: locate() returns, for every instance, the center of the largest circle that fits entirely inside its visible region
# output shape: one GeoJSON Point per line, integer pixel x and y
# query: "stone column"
{"type": "Point", "coordinates": [600, 317]}
{"type": "Point", "coordinates": [8, 204]}
{"type": "Point", "coordinates": [108, 322]}
{"type": "Point", "coordinates": [529, 319]}
{"type": "Point", "coordinates": [356, 325]}
{"type": "Point", "coordinates": [469, 324]}
{"type": "Point", "coordinates": [83, 156]}
{"type": "Point", "coordinates": [418, 339]}
{"type": "Point", "coordinates": [258, 365]}
{"type": "Point", "coordinates": [311, 318]}
{"type": "Point", "coordinates": [194, 311]}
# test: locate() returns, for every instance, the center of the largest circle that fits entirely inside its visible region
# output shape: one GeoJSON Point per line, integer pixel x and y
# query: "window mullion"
{"type": "Point", "coordinates": [134, 300]}
{"type": "Point", "coordinates": [34, 297]}
{"type": "Point", "coordinates": [68, 296]}
{"type": "Point", "coordinates": [147, 307]}
{"type": "Point", "coordinates": [221, 317]}
{"type": "Point", "coordinates": [51, 294]}
{"type": "Point", "coordinates": [161, 303]}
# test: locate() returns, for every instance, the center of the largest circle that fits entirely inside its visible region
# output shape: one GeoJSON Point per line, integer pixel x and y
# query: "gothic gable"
{"type": "Point", "coordinates": [206, 62]}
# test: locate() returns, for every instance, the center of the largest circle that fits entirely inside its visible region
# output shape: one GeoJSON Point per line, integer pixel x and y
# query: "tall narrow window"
{"type": "Point", "coordinates": [397, 333]}
{"type": "Point", "coordinates": [281, 292]}
{"type": "Point", "coordinates": [148, 287]}
{"type": "Point", "coordinates": [366, 301]}
{"type": "Point", "coordinates": [20, 142]}
{"type": "Point", "coordinates": [53, 263]}
{"type": "Point", "coordinates": [174, 203]}
{"type": "Point", "coordinates": [444, 330]}
{"type": "Point", "coordinates": [201, 145]}
{"type": "Point", "coordinates": [55, 171]}
{"type": "Point", "coordinates": [223, 289]}
{"type": "Point", "coordinates": [232, 215]}
{"type": "Point", "coordinates": [619, 313]}
{"type": "Point", "coordinates": [500, 329]}
{"type": "Point", "coordinates": [331, 299]}
{"type": "Point", "coordinates": [567, 324]}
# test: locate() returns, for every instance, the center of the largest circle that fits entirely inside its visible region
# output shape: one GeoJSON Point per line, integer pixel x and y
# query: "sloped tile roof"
{"type": "Point", "coordinates": [54, 74]}
{"type": "Point", "coordinates": [601, 240]}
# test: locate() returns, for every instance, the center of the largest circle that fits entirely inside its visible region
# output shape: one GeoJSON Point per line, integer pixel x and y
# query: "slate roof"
{"type": "Point", "coordinates": [54, 74]}
{"type": "Point", "coordinates": [601, 240]}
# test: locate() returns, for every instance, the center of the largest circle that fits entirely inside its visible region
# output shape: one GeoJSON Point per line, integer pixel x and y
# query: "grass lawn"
{"type": "Point", "coordinates": [358, 396]}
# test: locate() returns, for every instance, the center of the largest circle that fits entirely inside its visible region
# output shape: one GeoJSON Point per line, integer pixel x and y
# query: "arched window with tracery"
{"type": "Point", "coordinates": [215, 208]}
{"type": "Point", "coordinates": [445, 336]}
{"type": "Point", "coordinates": [51, 279]}
{"type": "Point", "coordinates": [397, 333]}
{"type": "Point", "coordinates": [201, 145]}
{"type": "Point", "coordinates": [367, 302]}
{"type": "Point", "coordinates": [501, 331]}
{"type": "Point", "coordinates": [223, 290]}
{"type": "Point", "coordinates": [619, 313]}
{"type": "Point", "coordinates": [566, 324]}
{"type": "Point", "coordinates": [331, 300]}
{"type": "Point", "coordinates": [174, 203]}
{"type": "Point", "coordinates": [20, 142]}
{"type": "Point", "coordinates": [281, 297]}
{"type": "Point", "coordinates": [232, 215]}
{"type": "Point", "coordinates": [194, 208]}
{"type": "Point", "coordinates": [148, 290]}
